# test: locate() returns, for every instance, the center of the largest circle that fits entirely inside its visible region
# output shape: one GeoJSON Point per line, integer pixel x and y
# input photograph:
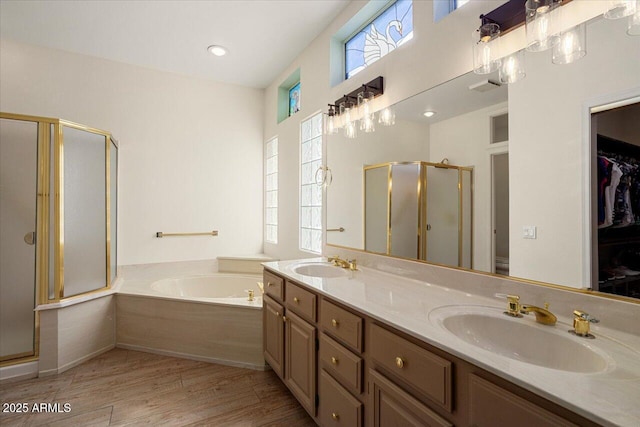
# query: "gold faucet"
{"type": "Point", "coordinates": [543, 315]}
{"type": "Point", "coordinates": [342, 263]}
{"type": "Point", "coordinates": [581, 324]}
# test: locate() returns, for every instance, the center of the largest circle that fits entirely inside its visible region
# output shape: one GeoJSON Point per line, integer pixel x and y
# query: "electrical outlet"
{"type": "Point", "coordinates": [529, 232]}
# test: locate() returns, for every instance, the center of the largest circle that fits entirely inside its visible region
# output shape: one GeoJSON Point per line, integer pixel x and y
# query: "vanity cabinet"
{"type": "Point", "coordinates": [347, 369]}
{"type": "Point", "coordinates": [300, 360]}
{"type": "Point", "coordinates": [392, 406]}
{"type": "Point", "coordinates": [273, 335]}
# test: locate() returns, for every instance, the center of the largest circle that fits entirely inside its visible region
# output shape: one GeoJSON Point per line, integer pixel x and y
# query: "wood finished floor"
{"type": "Point", "coordinates": [124, 387]}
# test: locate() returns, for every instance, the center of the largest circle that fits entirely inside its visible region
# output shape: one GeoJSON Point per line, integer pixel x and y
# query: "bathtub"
{"type": "Point", "coordinates": [204, 317]}
{"type": "Point", "coordinates": [231, 289]}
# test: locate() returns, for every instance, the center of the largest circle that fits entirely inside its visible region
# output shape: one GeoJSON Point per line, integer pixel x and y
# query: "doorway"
{"type": "Point", "coordinates": [500, 209]}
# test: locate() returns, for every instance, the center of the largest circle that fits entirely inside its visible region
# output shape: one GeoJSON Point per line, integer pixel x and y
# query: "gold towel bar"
{"type": "Point", "coordinates": [341, 229]}
{"type": "Point", "coordinates": [206, 233]}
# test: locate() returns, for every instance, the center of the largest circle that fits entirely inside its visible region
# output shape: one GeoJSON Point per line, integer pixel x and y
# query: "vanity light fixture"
{"type": "Point", "coordinates": [387, 117]}
{"type": "Point", "coordinates": [345, 115]}
{"type": "Point", "coordinates": [540, 24]}
{"type": "Point", "coordinates": [620, 8]}
{"type": "Point", "coordinates": [571, 47]}
{"type": "Point", "coordinates": [217, 50]}
{"type": "Point", "coordinates": [429, 113]}
{"type": "Point", "coordinates": [331, 124]}
{"type": "Point", "coordinates": [486, 48]}
{"type": "Point", "coordinates": [367, 117]}
{"type": "Point", "coordinates": [512, 68]}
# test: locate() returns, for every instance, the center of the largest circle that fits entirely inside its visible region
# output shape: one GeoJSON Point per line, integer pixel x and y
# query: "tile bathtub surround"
{"type": "Point", "coordinates": [123, 387]}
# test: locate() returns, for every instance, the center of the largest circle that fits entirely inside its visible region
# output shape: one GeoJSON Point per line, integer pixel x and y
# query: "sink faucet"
{"type": "Point", "coordinates": [543, 315]}
{"type": "Point", "coordinates": [337, 261]}
{"type": "Point", "coordinates": [581, 324]}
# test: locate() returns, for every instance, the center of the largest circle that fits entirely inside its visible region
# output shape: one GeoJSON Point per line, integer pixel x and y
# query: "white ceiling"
{"type": "Point", "coordinates": [262, 36]}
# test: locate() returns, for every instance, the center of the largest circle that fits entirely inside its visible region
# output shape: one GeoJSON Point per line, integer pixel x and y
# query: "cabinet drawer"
{"type": "Point", "coordinates": [337, 406]}
{"type": "Point", "coordinates": [342, 325]}
{"type": "Point", "coordinates": [273, 286]}
{"type": "Point", "coordinates": [425, 372]}
{"type": "Point", "coordinates": [301, 301]}
{"type": "Point", "coordinates": [341, 364]}
{"type": "Point", "coordinates": [391, 406]}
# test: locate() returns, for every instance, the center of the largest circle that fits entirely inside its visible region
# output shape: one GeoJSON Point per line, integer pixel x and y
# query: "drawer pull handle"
{"type": "Point", "coordinates": [334, 323]}
{"type": "Point", "coordinates": [334, 360]}
{"type": "Point", "coordinates": [284, 319]}
{"type": "Point", "coordinates": [335, 416]}
{"type": "Point", "coordinates": [399, 362]}
{"type": "Point", "coordinates": [296, 300]}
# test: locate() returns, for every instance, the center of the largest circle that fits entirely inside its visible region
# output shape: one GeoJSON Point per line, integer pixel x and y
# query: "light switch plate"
{"type": "Point", "coordinates": [529, 232]}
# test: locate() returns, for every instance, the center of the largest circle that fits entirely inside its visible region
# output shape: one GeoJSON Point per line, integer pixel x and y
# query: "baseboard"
{"type": "Point", "coordinates": [18, 372]}
{"type": "Point", "coordinates": [245, 365]}
{"type": "Point", "coordinates": [74, 363]}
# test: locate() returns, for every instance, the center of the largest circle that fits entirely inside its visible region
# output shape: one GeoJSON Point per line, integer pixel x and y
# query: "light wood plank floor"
{"type": "Point", "coordinates": [123, 387]}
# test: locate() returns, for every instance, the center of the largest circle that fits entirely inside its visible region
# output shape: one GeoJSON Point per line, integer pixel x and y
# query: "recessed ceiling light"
{"type": "Point", "coordinates": [217, 50]}
{"type": "Point", "coordinates": [429, 113]}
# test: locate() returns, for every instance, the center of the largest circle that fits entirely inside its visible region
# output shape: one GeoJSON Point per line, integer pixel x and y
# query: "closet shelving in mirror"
{"type": "Point", "coordinates": [618, 180]}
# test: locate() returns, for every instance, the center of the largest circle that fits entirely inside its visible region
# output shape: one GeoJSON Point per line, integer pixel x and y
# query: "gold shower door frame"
{"type": "Point", "coordinates": [43, 212]}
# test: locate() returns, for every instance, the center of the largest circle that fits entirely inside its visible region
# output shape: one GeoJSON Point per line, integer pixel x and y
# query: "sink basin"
{"type": "Point", "coordinates": [319, 269]}
{"type": "Point", "coordinates": [521, 339]}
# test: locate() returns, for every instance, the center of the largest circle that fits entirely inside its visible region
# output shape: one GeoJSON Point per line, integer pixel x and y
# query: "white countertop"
{"type": "Point", "coordinates": [610, 397]}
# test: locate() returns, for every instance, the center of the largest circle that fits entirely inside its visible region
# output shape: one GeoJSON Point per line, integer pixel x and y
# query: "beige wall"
{"type": "Point", "coordinates": [549, 142]}
{"type": "Point", "coordinates": [190, 149]}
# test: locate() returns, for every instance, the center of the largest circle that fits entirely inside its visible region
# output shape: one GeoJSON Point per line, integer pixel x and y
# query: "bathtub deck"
{"type": "Point", "coordinates": [123, 387]}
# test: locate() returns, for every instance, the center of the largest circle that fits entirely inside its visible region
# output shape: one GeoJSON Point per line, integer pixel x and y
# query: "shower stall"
{"type": "Point", "coordinates": [420, 210]}
{"type": "Point", "coordinates": [58, 215]}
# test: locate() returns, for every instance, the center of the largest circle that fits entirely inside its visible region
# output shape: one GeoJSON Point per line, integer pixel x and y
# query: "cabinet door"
{"type": "Point", "coordinates": [300, 367]}
{"type": "Point", "coordinates": [494, 406]}
{"type": "Point", "coordinates": [273, 336]}
{"type": "Point", "coordinates": [392, 407]}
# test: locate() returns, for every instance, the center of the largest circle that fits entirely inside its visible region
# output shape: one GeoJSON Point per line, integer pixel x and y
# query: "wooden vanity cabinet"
{"type": "Point", "coordinates": [347, 369]}
{"type": "Point", "coordinates": [273, 334]}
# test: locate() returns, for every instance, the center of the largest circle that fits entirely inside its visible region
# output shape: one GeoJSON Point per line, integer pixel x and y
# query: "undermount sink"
{"type": "Point", "coordinates": [521, 339]}
{"type": "Point", "coordinates": [319, 269]}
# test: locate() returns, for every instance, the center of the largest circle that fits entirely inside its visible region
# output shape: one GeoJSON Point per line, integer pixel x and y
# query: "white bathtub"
{"type": "Point", "coordinates": [219, 288]}
{"type": "Point", "coordinates": [204, 317]}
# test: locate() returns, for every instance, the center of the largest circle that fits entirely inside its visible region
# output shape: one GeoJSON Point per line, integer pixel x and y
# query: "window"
{"type": "Point", "coordinates": [442, 8]}
{"type": "Point", "coordinates": [271, 191]}
{"type": "Point", "coordinates": [310, 192]}
{"type": "Point", "coordinates": [390, 29]}
{"type": "Point", "coordinates": [294, 99]}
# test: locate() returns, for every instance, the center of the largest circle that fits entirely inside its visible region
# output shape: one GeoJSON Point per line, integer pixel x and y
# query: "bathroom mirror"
{"type": "Point", "coordinates": [542, 230]}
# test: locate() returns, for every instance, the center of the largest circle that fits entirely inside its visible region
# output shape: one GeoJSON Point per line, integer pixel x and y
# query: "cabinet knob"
{"type": "Point", "coordinates": [334, 323]}
{"type": "Point", "coordinates": [284, 318]}
{"type": "Point", "coordinates": [277, 314]}
{"type": "Point", "coordinates": [334, 360]}
{"type": "Point", "coordinates": [269, 284]}
{"type": "Point", "coordinates": [335, 416]}
{"type": "Point", "coordinates": [296, 300]}
{"type": "Point", "coordinates": [399, 362]}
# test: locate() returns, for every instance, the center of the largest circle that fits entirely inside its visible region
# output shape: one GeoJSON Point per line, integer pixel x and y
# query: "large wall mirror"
{"type": "Point", "coordinates": [528, 145]}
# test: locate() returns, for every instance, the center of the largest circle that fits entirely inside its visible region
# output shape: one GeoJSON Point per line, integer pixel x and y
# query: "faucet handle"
{"type": "Point", "coordinates": [581, 324]}
{"type": "Point", "coordinates": [513, 307]}
{"type": "Point", "coordinates": [353, 266]}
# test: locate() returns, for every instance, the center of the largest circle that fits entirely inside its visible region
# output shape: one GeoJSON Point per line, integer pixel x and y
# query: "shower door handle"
{"type": "Point", "coordinates": [30, 238]}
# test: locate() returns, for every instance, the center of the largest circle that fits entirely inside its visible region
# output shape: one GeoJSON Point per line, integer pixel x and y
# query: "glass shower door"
{"type": "Point", "coordinates": [18, 213]}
